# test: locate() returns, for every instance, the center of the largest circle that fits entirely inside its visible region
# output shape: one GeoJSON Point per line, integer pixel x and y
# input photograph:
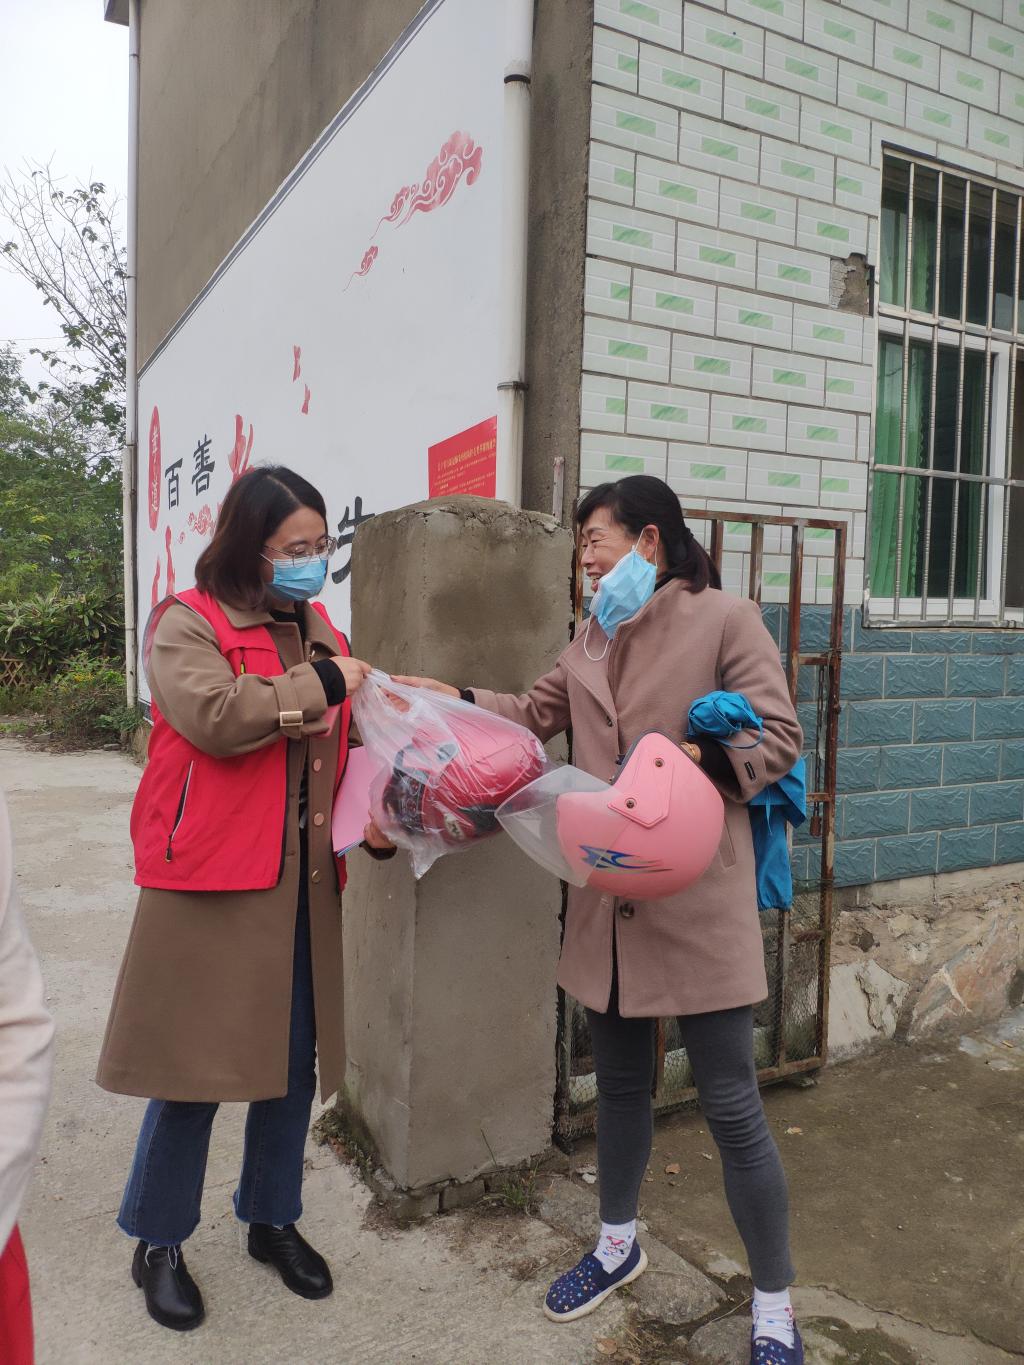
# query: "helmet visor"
{"type": "Point", "coordinates": [529, 818]}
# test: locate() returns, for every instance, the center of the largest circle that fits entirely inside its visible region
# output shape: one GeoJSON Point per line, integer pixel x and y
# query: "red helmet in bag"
{"type": "Point", "coordinates": [449, 780]}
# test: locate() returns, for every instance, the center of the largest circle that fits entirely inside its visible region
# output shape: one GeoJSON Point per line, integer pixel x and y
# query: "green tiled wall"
{"type": "Point", "coordinates": [928, 780]}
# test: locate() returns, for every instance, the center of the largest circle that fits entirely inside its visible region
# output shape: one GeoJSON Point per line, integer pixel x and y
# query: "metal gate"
{"type": "Point", "coordinates": [790, 1027]}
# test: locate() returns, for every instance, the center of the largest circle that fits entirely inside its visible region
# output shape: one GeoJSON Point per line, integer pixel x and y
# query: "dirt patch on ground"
{"type": "Point", "coordinates": [829, 1340]}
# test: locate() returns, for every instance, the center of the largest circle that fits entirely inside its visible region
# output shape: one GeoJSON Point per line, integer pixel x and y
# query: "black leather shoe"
{"type": "Point", "coordinates": [172, 1295]}
{"type": "Point", "coordinates": [304, 1271]}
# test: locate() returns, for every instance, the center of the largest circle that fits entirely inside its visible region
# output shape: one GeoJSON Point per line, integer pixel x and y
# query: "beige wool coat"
{"type": "Point", "coordinates": [202, 1006]}
{"type": "Point", "coordinates": [701, 949]}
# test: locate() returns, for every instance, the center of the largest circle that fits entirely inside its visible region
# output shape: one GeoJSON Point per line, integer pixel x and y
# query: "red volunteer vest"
{"type": "Point", "coordinates": [201, 823]}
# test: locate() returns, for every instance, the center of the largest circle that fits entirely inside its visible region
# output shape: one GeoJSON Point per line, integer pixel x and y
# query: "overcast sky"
{"type": "Point", "coordinates": [63, 97]}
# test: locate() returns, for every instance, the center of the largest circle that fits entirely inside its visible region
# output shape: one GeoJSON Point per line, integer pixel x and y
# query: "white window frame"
{"type": "Point", "coordinates": [1006, 349]}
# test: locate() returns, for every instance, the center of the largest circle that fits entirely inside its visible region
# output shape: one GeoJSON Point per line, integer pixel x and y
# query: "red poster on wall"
{"type": "Point", "coordinates": [466, 463]}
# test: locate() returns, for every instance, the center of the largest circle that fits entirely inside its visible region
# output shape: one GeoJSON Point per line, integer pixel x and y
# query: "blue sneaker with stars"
{"type": "Point", "coordinates": [768, 1351]}
{"type": "Point", "coordinates": [580, 1290]}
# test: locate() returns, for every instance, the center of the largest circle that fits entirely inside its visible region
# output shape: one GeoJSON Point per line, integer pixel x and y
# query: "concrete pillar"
{"type": "Point", "coordinates": [449, 982]}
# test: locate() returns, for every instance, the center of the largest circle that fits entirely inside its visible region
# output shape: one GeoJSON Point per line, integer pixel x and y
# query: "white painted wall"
{"type": "Point", "coordinates": [391, 361]}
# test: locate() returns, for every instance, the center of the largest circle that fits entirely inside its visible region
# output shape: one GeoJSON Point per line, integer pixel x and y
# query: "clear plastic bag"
{"type": "Point", "coordinates": [445, 765]}
{"type": "Point", "coordinates": [530, 819]}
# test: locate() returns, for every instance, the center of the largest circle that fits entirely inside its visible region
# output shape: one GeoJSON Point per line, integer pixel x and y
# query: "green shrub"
{"type": "Point", "coordinates": [84, 704]}
{"type": "Point", "coordinates": [14, 701]}
{"type": "Point", "coordinates": [16, 712]}
{"type": "Point", "coordinates": [47, 630]}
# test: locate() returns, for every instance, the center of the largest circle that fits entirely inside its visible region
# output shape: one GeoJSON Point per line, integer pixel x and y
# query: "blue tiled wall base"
{"type": "Point", "coordinates": [931, 748]}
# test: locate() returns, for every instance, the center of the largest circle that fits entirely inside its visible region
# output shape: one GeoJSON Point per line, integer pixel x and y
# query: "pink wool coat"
{"type": "Point", "coordinates": [701, 949]}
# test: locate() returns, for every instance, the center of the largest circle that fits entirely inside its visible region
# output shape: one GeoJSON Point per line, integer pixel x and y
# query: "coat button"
{"type": "Point", "coordinates": [318, 763]}
{"type": "Point", "coordinates": [608, 720]}
{"type": "Point", "coordinates": [319, 818]}
{"type": "Point", "coordinates": [314, 876]}
{"type": "Point", "coordinates": [627, 911]}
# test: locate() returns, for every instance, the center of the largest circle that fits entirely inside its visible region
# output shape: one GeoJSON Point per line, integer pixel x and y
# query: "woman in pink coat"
{"type": "Point", "coordinates": [661, 634]}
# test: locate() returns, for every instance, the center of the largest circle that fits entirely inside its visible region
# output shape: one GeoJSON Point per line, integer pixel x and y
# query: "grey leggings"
{"type": "Point", "coordinates": [720, 1046]}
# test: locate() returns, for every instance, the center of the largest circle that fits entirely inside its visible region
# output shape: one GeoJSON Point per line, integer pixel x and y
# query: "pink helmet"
{"type": "Point", "coordinates": [649, 834]}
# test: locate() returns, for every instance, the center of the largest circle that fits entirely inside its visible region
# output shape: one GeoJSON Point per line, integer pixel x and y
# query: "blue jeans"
{"type": "Point", "coordinates": [164, 1193]}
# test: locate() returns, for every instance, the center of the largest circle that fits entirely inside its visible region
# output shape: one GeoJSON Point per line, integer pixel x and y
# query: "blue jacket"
{"type": "Point", "coordinates": [721, 715]}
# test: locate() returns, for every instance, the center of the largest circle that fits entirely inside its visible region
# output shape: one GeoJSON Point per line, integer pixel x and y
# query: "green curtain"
{"type": "Point", "coordinates": [893, 245]}
{"type": "Point", "coordinates": [892, 282]}
{"type": "Point", "coordinates": [973, 460]}
{"type": "Point", "coordinates": [922, 271]}
{"type": "Point", "coordinates": [885, 498]}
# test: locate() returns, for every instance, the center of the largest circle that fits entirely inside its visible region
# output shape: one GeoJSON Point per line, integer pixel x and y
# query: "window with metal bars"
{"type": "Point", "coordinates": [946, 515]}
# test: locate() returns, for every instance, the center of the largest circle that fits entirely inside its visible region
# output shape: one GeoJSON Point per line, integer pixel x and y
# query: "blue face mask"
{"type": "Point", "coordinates": [623, 591]}
{"type": "Point", "coordinates": [298, 582]}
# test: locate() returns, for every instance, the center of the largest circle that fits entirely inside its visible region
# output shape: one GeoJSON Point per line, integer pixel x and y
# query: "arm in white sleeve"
{"type": "Point", "coordinates": [26, 1045]}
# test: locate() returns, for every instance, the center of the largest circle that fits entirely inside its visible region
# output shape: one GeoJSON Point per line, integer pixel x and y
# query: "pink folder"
{"type": "Point", "coordinates": [352, 804]}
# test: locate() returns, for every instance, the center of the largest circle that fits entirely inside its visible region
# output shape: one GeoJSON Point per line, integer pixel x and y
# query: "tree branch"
{"type": "Point", "coordinates": [66, 245]}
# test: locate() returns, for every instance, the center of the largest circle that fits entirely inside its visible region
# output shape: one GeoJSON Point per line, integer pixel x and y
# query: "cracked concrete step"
{"type": "Point", "coordinates": [924, 1345]}
{"type": "Point", "coordinates": [725, 1341]}
{"type": "Point", "coordinates": [672, 1290]}
{"type": "Point", "coordinates": [839, 1332]}
{"type": "Point", "coordinates": [836, 1330]}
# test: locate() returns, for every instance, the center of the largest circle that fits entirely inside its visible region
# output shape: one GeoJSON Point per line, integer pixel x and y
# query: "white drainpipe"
{"type": "Point", "coordinates": [515, 223]}
{"type": "Point", "coordinates": [129, 463]}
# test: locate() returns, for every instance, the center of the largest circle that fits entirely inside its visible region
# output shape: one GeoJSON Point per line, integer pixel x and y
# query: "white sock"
{"type": "Point", "coordinates": [773, 1317]}
{"type": "Point", "coordinates": [614, 1244]}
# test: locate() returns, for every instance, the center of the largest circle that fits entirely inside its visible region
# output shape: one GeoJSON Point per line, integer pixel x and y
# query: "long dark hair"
{"type": "Point", "coordinates": [642, 500]}
{"type": "Point", "coordinates": [231, 566]}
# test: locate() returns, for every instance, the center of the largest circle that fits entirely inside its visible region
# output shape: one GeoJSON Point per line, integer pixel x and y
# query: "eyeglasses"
{"type": "Point", "coordinates": [299, 554]}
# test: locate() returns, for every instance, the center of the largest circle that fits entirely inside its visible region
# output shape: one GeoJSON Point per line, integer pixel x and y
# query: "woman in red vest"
{"type": "Point", "coordinates": [231, 984]}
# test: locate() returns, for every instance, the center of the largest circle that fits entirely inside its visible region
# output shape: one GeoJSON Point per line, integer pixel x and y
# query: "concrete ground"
{"type": "Point", "coordinates": [464, 1288]}
{"type": "Point", "coordinates": [905, 1173]}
